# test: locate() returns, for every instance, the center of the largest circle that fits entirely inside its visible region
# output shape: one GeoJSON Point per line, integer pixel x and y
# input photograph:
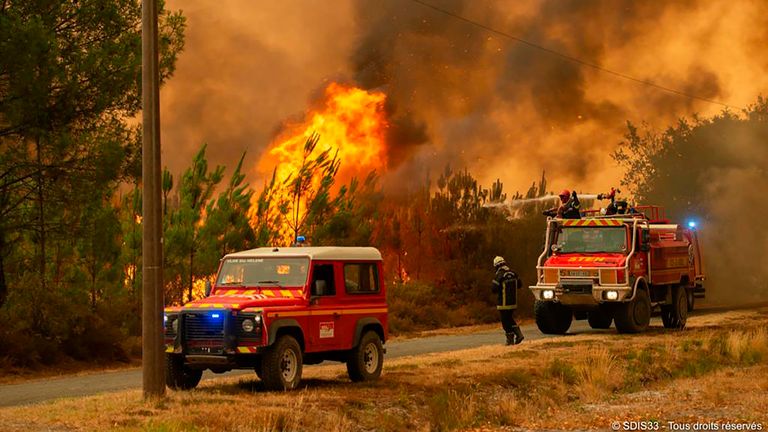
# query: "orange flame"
{"type": "Point", "coordinates": [350, 122]}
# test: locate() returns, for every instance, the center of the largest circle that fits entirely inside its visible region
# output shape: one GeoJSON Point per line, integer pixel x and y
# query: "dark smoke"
{"type": "Point", "coordinates": [714, 172]}
{"type": "Point", "coordinates": [459, 94]}
{"type": "Point", "coordinates": [504, 109]}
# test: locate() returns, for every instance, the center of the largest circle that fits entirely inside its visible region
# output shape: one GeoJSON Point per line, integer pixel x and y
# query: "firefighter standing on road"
{"type": "Point", "coordinates": [505, 285]}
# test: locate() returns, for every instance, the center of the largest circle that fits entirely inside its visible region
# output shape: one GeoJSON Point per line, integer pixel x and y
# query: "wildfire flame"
{"type": "Point", "coordinates": [349, 121]}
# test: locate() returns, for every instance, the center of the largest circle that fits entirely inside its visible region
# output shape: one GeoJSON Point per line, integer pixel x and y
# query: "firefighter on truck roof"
{"type": "Point", "coordinates": [569, 207]}
{"type": "Point", "coordinates": [505, 285]}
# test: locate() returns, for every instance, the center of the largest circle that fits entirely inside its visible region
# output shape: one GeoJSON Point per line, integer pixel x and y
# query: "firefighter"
{"type": "Point", "coordinates": [505, 285]}
{"type": "Point", "coordinates": [568, 208]}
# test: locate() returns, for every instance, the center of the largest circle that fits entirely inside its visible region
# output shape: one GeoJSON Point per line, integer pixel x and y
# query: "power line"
{"type": "Point", "coordinates": [573, 59]}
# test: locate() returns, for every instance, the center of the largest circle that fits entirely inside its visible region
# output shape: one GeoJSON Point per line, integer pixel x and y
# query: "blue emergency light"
{"type": "Point", "coordinates": [215, 315]}
{"type": "Point", "coordinates": [691, 224]}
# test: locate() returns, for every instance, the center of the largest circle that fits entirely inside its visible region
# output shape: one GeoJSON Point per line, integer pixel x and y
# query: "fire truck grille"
{"type": "Point", "coordinates": [204, 332]}
{"type": "Point", "coordinates": [577, 289]}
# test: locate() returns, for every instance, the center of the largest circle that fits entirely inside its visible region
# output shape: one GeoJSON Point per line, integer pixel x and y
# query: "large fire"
{"type": "Point", "coordinates": [350, 123]}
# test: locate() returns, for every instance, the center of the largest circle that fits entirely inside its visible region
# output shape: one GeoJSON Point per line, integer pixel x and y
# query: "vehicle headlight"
{"type": "Point", "coordinates": [547, 294]}
{"type": "Point", "coordinates": [248, 325]}
{"type": "Point", "coordinates": [612, 295]}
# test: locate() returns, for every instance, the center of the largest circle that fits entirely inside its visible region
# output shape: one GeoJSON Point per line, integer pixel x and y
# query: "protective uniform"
{"type": "Point", "coordinates": [569, 207]}
{"type": "Point", "coordinates": [505, 286]}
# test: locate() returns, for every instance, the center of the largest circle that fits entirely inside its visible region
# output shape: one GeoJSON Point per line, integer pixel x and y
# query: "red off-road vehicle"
{"type": "Point", "coordinates": [276, 309]}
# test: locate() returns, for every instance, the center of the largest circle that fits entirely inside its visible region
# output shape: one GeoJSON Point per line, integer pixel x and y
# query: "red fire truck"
{"type": "Point", "coordinates": [617, 268]}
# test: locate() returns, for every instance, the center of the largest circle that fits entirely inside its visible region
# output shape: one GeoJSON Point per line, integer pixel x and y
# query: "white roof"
{"type": "Point", "coordinates": [312, 252]}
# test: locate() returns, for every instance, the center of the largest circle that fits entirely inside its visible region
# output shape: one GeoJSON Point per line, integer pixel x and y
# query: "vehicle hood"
{"type": "Point", "coordinates": [586, 260]}
{"type": "Point", "coordinates": [238, 299]}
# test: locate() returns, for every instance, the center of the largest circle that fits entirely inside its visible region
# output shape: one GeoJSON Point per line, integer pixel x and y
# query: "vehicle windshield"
{"type": "Point", "coordinates": [592, 240]}
{"type": "Point", "coordinates": [278, 272]}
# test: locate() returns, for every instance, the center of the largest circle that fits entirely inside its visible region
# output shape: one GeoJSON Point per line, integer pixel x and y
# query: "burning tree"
{"type": "Point", "coordinates": [341, 139]}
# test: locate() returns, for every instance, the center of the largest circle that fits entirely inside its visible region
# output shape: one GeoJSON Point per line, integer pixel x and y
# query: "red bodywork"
{"type": "Point", "coordinates": [325, 323]}
{"type": "Point", "coordinates": [657, 253]}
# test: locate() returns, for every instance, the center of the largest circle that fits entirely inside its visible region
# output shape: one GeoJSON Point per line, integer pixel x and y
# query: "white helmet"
{"type": "Point", "coordinates": [498, 261]}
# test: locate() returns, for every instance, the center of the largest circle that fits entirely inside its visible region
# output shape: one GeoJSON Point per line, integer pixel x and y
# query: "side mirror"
{"type": "Point", "coordinates": [207, 288]}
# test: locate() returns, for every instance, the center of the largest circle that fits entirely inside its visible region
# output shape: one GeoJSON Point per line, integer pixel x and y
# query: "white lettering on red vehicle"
{"type": "Point", "coordinates": [326, 330]}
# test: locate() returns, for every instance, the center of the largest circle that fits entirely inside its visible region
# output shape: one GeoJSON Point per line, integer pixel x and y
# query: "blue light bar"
{"type": "Point", "coordinates": [215, 315]}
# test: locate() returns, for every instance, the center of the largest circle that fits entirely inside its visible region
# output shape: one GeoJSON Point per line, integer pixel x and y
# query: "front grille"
{"type": "Point", "coordinates": [242, 336]}
{"type": "Point", "coordinates": [577, 289]}
{"type": "Point", "coordinates": [204, 332]}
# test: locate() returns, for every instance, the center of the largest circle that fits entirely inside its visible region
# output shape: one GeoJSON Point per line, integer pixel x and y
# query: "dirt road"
{"type": "Point", "coordinates": [86, 385]}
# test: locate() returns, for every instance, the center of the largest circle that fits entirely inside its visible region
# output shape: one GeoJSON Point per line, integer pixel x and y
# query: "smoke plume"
{"type": "Point", "coordinates": [457, 93]}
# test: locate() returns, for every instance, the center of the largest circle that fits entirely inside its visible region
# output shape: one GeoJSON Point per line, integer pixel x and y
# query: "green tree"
{"type": "Point", "coordinates": [68, 80]}
{"type": "Point", "coordinates": [711, 170]}
{"type": "Point", "coordinates": [185, 234]}
{"type": "Point", "coordinates": [227, 227]}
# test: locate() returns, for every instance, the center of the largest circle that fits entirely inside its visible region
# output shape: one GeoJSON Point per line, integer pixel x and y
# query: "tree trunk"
{"type": "Point", "coordinates": [3, 285]}
{"type": "Point", "coordinates": [41, 214]}
{"type": "Point", "coordinates": [191, 273]}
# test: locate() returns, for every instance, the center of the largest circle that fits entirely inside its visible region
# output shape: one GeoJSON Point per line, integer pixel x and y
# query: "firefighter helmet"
{"type": "Point", "coordinates": [498, 261]}
{"type": "Point", "coordinates": [565, 194]}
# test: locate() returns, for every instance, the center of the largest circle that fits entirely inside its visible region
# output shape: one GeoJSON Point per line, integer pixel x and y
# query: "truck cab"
{"type": "Point", "coordinates": [275, 309]}
{"type": "Point", "coordinates": [617, 269]}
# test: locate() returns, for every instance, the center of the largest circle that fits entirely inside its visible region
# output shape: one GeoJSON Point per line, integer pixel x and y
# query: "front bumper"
{"type": "Point", "coordinates": [584, 293]}
{"type": "Point", "coordinates": [210, 333]}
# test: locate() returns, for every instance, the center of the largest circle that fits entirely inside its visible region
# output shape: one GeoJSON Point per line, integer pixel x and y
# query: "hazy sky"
{"type": "Point", "coordinates": [459, 94]}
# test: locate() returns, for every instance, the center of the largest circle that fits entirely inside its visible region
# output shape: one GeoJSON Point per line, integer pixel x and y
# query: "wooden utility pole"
{"type": "Point", "coordinates": [153, 360]}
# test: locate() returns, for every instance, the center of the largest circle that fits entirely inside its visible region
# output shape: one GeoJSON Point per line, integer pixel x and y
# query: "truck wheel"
{"type": "Point", "coordinates": [676, 315]}
{"type": "Point", "coordinates": [634, 316]}
{"type": "Point", "coordinates": [552, 317]}
{"type": "Point", "coordinates": [178, 376]}
{"type": "Point", "coordinates": [281, 364]}
{"type": "Point", "coordinates": [691, 298]}
{"type": "Point", "coordinates": [600, 319]}
{"type": "Point", "coordinates": [366, 359]}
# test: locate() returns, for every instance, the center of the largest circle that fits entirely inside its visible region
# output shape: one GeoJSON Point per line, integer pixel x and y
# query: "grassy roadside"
{"type": "Point", "coordinates": [716, 370]}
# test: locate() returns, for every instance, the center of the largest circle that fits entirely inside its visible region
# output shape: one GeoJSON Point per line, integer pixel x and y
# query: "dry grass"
{"type": "Point", "coordinates": [708, 372]}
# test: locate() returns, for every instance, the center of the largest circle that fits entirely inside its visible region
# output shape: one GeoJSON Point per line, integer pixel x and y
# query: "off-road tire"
{"type": "Point", "coordinates": [178, 376]}
{"type": "Point", "coordinates": [281, 364]}
{"type": "Point", "coordinates": [600, 319]}
{"type": "Point", "coordinates": [552, 317]}
{"type": "Point", "coordinates": [259, 371]}
{"type": "Point", "coordinates": [691, 297]}
{"type": "Point", "coordinates": [366, 359]}
{"type": "Point", "coordinates": [675, 316]}
{"type": "Point", "coordinates": [634, 316]}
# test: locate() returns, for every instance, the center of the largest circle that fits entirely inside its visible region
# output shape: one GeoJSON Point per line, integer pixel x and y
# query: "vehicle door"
{"type": "Point", "coordinates": [324, 314]}
{"type": "Point", "coordinates": [363, 297]}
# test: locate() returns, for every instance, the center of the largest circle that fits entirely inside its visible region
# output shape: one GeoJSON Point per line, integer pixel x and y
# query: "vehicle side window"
{"type": "Point", "coordinates": [322, 280]}
{"type": "Point", "coordinates": [361, 278]}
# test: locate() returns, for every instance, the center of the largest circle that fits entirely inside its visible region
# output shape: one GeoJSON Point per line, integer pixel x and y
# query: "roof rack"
{"type": "Point", "coordinates": [651, 213]}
